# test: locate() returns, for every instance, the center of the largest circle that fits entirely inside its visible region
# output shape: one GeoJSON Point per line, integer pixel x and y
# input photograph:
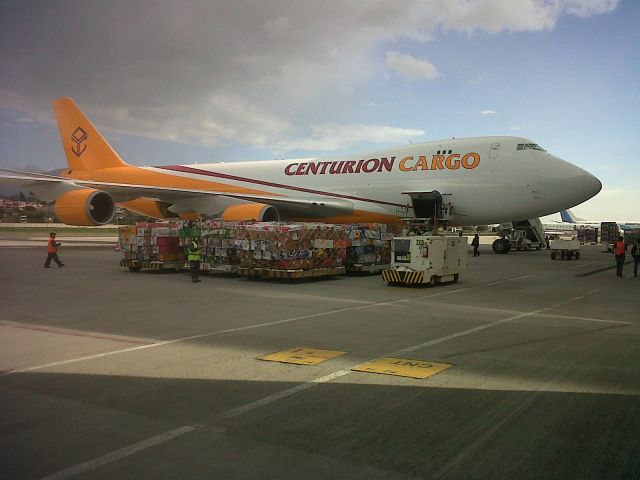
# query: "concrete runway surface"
{"type": "Point", "coordinates": [112, 374]}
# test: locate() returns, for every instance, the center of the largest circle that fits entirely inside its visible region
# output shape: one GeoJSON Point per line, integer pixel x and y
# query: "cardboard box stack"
{"type": "Point", "coordinates": [609, 232]}
{"type": "Point", "coordinates": [151, 242]}
{"type": "Point", "coordinates": [274, 245]}
{"type": "Point", "coordinates": [588, 235]}
{"type": "Point", "coordinates": [370, 243]}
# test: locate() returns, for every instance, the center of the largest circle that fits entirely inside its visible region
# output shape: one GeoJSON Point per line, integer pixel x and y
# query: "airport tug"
{"type": "Point", "coordinates": [426, 259]}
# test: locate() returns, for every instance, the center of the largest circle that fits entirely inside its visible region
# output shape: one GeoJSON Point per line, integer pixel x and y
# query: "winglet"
{"type": "Point", "coordinates": [83, 145]}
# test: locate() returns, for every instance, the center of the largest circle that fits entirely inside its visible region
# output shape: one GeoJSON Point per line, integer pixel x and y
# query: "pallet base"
{"type": "Point", "coordinates": [152, 265]}
{"type": "Point", "coordinates": [366, 268]}
{"type": "Point", "coordinates": [289, 274]}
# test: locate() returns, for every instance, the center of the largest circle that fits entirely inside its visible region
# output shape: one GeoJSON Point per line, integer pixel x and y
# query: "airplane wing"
{"type": "Point", "coordinates": [123, 192]}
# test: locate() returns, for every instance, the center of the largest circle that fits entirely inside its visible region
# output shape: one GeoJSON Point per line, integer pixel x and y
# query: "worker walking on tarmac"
{"type": "Point", "coordinates": [635, 253]}
{"type": "Point", "coordinates": [475, 243]}
{"type": "Point", "coordinates": [52, 251]}
{"type": "Point", "coordinates": [619, 250]}
{"type": "Point", "coordinates": [193, 256]}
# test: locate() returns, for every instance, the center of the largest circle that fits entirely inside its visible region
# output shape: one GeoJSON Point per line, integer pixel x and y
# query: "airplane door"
{"type": "Point", "coordinates": [425, 204]}
{"type": "Point", "coordinates": [494, 150]}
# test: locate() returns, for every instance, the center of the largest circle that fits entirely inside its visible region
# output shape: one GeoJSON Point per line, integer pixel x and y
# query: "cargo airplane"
{"type": "Point", "coordinates": [482, 180]}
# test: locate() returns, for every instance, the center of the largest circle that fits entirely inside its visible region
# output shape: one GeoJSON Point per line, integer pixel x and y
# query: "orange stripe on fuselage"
{"type": "Point", "coordinates": [139, 176]}
{"type": "Point", "coordinates": [358, 216]}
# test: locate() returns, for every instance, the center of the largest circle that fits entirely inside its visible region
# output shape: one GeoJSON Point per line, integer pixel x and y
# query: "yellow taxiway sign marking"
{"type": "Point", "coordinates": [403, 367]}
{"type": "Point", "coordinates": [302, 356]}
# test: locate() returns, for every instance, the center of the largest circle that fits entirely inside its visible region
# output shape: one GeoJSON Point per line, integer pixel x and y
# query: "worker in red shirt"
{"type": "Point", "coordinates": [52, 251]}
{"type": "Point", "coordinates": [619, 250]}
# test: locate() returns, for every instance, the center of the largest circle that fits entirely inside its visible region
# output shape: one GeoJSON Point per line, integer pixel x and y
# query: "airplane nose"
{"type": "Point", "coordinates": [591, 185]}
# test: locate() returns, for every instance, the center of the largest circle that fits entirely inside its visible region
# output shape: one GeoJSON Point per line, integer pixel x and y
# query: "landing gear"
{"type": "Point", "coordinates": [501, 246]}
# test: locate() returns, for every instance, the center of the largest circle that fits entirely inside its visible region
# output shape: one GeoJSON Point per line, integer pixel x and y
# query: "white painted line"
{"type": "Point", "coordinates": [77, 333]}
{"type": "Point", "coordinates": [584, 319]}
{"type": "Point", "coordinates": [250, 327]}
{"type": "Point", "coordinates": [170, 435]}
{"type": "Point", "coordinates": [507, 280]}
{"type": "Point", "coordinates": [581, 265]}
{"type": "Point", "coordinates": [280, 395]}
{"type": "Point", "coordinates": [198, 336]}
{"type": "Point", "coordinates": [118, 454]}
{"type": "Point", "coordinates": [87, 357]}
{"type": "Point", "coordinates": [130, 450]}
{"type": "Point", "coordinates": [467, 332]}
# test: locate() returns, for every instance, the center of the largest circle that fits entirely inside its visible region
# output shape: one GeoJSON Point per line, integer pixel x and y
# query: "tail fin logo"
{"type": "Point", "coordinates": [79, 137]}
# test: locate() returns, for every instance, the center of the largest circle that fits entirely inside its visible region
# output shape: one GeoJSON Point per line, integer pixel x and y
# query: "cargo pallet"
{"type": "Point", "coordinates": [366, 267]}
{"type": "Point", "coordinates": [230, 269]}
{"type": "Point", "coordinates": [137, 265]}
{"type": "Point", "coordinates": [289, 274]}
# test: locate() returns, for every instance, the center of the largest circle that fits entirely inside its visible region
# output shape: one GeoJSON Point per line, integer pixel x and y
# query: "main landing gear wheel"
{"type": "Point", "coordinates": [501, 246]}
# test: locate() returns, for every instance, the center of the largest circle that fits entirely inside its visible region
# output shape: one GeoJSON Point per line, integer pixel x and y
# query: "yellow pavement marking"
{"type": "Point", "coordinates": [302, 356]}
{"type": "Point", "coordinates": [403, 367]}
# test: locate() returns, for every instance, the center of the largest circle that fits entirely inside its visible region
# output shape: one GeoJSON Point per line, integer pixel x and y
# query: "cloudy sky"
{"type": "Point", "coordinates": [195, 82]}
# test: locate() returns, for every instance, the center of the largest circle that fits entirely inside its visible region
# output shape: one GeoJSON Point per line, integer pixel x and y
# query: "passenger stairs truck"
{"type": "Point", "coordinates": [520, 235]}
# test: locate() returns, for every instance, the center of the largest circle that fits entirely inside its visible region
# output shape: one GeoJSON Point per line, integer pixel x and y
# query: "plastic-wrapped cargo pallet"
{"type": "Point", "coordinates": [370, 244]}
{"type": "Point", "coordinates": [273, 245]}
{"type": "Point", "coordinates": [291, 246]}
{"type": "Point", "coordinates": [260, 245]}
{"type": "Point", "coordinates": [150, 242]}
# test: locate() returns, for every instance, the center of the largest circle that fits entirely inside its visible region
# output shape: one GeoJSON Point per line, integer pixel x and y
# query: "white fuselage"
{"type": "Point", "coordinates": [485, 179]}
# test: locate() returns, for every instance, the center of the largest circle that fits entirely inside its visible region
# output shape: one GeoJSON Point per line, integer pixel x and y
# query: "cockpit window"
{"type": "Point", "coordinates": [530, 146]}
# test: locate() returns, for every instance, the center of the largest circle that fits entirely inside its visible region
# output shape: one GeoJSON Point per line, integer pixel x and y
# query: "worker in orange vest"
{"type": "Point", "coordinates": [52, 251]}
{"type": "Point", "coordinates": [619, 250]}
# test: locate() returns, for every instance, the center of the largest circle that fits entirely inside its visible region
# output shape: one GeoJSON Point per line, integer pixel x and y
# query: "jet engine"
{"type": "Point", "coordinates": [85, 207]}
{"type": "Point", "coordinates": [251, 211]}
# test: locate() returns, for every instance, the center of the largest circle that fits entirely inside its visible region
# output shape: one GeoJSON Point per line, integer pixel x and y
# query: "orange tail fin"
{"type": "Point", "coordinates": [83, 145]}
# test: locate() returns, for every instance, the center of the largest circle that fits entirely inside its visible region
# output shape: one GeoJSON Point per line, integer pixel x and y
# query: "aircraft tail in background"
{"type": "Point", "coordinates": [568, 217]}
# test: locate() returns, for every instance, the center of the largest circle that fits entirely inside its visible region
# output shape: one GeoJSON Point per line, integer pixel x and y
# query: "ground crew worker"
{"type": "Point", "coordinates": [619, 250]}
{"type": "Point", "coordinates": [635, 253]}
{"type": "Point", "coordinates": [193, 256]}
{"type": "Point", "coordinates": [475, 243]}
{"type": "Point", "coordinates": [52, 251]}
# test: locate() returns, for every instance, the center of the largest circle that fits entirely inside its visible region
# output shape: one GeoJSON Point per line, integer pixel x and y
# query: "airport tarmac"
{"type": "Point", "coordinates": [112, 374]}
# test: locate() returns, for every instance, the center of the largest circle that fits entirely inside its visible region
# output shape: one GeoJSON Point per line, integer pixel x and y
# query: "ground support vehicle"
{"type": "Point", "coordinates": [565, 249]}
{"type": "Point", "coordinates": [426, 260]}
{"type": "Point", "coordinates": [519, 235]}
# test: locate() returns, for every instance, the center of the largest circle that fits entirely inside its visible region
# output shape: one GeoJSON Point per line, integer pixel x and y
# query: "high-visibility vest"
{"type": "Point", "coordinates": [193, 255]}
{"type": "Point", "coordinates": [619, 248]}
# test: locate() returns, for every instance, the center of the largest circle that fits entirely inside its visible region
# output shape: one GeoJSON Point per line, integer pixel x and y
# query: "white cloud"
{"type": "Point", "coordinates": [328, 137]}
{"type": "Point", "coordinates": [258, 73]}
{"type": "Point", "coordinates": [588, 8]}
{"type": "Point", "coordinates": [488, 112]}
{"type": "Point", "coordinates": [411, 67]}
